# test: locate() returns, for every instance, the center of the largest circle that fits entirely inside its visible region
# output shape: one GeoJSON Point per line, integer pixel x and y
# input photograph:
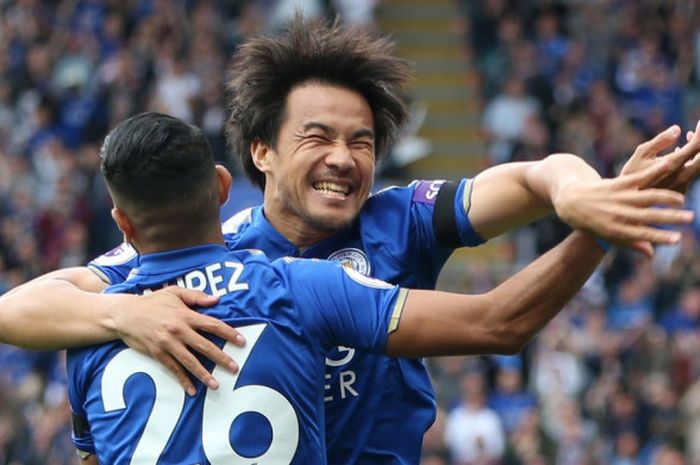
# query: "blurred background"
{"type": "Point", "coordinates": [613, 380]}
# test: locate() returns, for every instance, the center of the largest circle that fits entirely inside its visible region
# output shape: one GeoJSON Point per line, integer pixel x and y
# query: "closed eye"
{"type": "Point", "coordinates": [362, 145]}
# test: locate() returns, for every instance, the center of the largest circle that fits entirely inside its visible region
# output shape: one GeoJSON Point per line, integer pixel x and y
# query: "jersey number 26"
{"type": "Point", "coordinates": [221, 407]}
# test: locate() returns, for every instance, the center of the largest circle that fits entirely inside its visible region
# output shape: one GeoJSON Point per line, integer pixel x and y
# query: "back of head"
{"type": "Point", "coordinates": [267, 69]}
{"type": "Point", "coordinates": [160, 172]}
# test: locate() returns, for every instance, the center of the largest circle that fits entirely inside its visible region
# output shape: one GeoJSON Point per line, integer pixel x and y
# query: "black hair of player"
{"type": "Point", "coordinates": [160, 171]}
{"type": "Point", "coordinates": [266, 69]}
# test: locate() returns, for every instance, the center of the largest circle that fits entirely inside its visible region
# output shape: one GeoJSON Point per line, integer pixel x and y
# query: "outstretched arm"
{"type": "Point", "coordinates": [503, 320]}
{"type": "Point", "coordinates": [506, 318]}
{"type": "Point", "coordinates": [62, 310]}
{"type": "Point", "coordinates": [514, 194]}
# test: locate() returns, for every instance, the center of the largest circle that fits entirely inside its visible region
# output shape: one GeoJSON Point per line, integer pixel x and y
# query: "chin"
{"type": "Point", "coordinates": [332, 223]}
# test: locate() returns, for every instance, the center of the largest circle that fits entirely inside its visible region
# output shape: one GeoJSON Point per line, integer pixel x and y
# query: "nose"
{"type": "Point", "coordinates": [340, 157]}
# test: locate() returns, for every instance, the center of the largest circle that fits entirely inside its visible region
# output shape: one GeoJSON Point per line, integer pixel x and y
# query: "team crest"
{"type": "Point", "coordinates": [352, 258]}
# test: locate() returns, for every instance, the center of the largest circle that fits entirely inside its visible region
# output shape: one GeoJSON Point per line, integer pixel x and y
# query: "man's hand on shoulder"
{"type": "Point", "coordinates": [163, 326]}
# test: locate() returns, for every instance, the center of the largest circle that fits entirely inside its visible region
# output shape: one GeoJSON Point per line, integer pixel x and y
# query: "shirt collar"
{"type": "Point", "coordinates": [178, 259]}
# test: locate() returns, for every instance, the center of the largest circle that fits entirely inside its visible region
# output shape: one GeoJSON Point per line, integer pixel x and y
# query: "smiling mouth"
{"type": "Point", "coordinates": [331, 189]}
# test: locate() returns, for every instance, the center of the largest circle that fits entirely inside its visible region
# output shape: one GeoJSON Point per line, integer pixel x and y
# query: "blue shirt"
{"type": "Point", "coordinates": [377, 407]}
{"type": "Point", "coordinates": [292, 313]}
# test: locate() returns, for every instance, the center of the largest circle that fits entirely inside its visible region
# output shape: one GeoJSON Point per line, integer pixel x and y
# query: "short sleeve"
{"type": "Point", "coordinates": [340, 306]}
{"type": "Point", "coordinates": [114, 266]}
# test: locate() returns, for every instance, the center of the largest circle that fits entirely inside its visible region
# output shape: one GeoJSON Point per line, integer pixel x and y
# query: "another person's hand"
{"type": "Point", "coordinates": [163, 326]}
{"type": "Point", "coordinates": [623, 211]}
{"type": "Point", "coordinates": [684, 161]}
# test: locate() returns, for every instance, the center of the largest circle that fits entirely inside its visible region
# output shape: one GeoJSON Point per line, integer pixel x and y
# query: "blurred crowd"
{"type": "Point", "coordinates": [613, 380]}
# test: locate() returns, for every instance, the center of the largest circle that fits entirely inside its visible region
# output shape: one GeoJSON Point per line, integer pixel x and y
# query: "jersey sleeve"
{"type": "Point", "coordinates": [440, 213]}
{"type": "Point", "coordinates": [80, 435]}
{"type": "Point", "coordinates": [341, 306]}
{"type": "Point", "coordinates": [417, 227]}
{"type": "Point", "coordinates": [114, 266]}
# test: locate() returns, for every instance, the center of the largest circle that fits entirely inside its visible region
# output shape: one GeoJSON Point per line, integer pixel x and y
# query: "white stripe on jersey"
{"type": "Point", "coordinates": [233, 224]}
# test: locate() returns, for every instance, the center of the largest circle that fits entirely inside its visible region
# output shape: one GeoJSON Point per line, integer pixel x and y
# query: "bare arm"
{"type": "Point", "coordinates": [59, 310]}
{"type": "Point", "coordinates": [62, 310]}
{"type": "Point", "coordinates": [506, 318]}
{"type": "Point", "coordinates": [502, 320]}
{"type": "Point", "coordinates": [513, 194]}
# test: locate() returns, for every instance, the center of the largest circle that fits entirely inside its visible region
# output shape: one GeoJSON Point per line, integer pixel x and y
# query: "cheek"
{"type": "Point", "coordinates": [367, 172]}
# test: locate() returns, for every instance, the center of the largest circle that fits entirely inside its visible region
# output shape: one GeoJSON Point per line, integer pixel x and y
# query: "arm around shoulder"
{"type": "Point", "coordinates": [55, 311]}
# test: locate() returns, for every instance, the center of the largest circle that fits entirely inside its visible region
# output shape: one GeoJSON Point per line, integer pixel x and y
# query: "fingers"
{"type": "Point", "coordinates": [646, 177]}
{"type": "Point", "coordinates": [655, 216]}
{"type": "Point", "coordinates": [191, 297]}
{"type": "Point", "coordinates": [216, 327]}
{"type": "Point", "coordinates": [187, 360]}
{"type": "Point", "coordinates": [650, 197]}
{"type": "Point", "coordinates": [633, 233]}
{"type": "Point", "coordinates": [643, 247]}
{"type": "Point", "coordinates": [211, 351]}
{"type": "Point", "coordinates": [693, 163]}
{"type": "Point", "coordinates": [177, 370]}
{"type": "Point", "coordinates": [682, 154]}
{"type": "Point", "coordinates": [661, 141]}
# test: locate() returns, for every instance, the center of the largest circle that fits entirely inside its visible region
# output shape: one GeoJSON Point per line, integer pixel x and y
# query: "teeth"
{"type": "Point", "coordinates": [331, 188]}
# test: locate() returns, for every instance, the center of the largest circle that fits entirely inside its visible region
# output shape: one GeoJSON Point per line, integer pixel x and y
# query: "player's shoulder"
{"type": "Point", "coordinates": [250, 256]}
{"type": "Point", "coordinates": [296, 268]}
{"type": "Point", "coordinates": [238, 222]}
{"type": "Point", "coordinates": [255, 262]}
{"type": "Point", "coordinates": [310, 272]}
{"type": "Point", "coordinates": [120, 255]}
{"type": "Point", "coordinates": [417, 191]}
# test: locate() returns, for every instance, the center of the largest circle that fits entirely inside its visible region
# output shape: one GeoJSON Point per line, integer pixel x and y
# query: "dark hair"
{"type": "Point", "coordinates": [266, 69]}
{"type": "Point", "coordinates": [160, 169]}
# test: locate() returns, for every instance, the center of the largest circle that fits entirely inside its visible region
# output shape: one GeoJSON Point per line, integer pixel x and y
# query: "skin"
{"type": "Point", "coordinates": [324, 138]}
{"type": "Point", "coordinates": [327, 137]}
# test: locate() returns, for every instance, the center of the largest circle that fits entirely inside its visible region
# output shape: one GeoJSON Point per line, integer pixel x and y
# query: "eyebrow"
{"type": "Point", "coordinates": [365, 132]}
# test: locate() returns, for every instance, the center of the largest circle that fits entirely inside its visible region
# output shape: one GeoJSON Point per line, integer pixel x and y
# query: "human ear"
{"type": "Point", "coordinates": [260, 153]}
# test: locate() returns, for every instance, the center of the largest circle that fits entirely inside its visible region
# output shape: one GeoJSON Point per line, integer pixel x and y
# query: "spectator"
{"type": "Point", "coordinates": [474, 434]}
{"type": "Point", "coordinates": [505, 118]}
{"type": "Point", "coordinates": [509, 399]}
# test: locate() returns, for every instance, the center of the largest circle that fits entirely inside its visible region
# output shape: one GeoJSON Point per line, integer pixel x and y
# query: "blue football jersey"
{"type": "Point", "coordinates": [292, 312]}
{"type": "Point", "coordinates": [377, 407]}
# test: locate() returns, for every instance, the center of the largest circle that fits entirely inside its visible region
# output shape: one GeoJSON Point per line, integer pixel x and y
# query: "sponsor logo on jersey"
{"type": "Point", "coordinates": [353, 258]}
{"type": "Point", "coordinates": [427, 191]}
{"type": "Point", "coordinates": [117, 256]}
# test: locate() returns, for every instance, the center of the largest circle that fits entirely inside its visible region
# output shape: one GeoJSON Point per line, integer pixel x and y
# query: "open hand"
{"type": "Point", "coordinates": [624, 210]}
{"type": "Point", "coordinates": [163, 326]}
{"type": "Point", "coordinates": [684, 161]}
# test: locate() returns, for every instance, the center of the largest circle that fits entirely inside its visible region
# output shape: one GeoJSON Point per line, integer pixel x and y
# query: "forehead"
{"type": "Point", "coordinates": [334, 106]}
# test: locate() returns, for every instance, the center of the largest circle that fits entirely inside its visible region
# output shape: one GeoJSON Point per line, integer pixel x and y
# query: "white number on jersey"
{"type": "Point", "coordinates": [221, 407]}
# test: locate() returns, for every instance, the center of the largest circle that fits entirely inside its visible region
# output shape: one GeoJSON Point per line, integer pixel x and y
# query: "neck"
{"type": "Point", "coordinates": [302, 235]}
{"type": "Point", "coordinates": [145, 246]}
